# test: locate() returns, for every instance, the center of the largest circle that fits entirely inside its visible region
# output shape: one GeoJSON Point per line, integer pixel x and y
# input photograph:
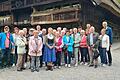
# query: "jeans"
{"type": "Point", "coordinates": [6, 57]}
{"type": "Point", "coordinates": [76, 54]}
{"type": "Point", "coordinates": [58, 58]}
{"type": "Point", "coordinates": [103, 55]}
{"type": "Point", "coordinates": [67, 57]}
{"type": "Point", "coordinates": [35, 60]}
{"type": "Point", "coordinates": [84, 54]}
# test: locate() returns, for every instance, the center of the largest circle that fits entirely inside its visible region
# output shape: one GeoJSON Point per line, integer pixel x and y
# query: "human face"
{"type": "Point", "coordinates": [67, 33]}
{"type": "Point", "coordinates": [38, 27]}
{"type": "Point", "coordinates": [103, 31]}
{"type": "Point", "coordinates": [35, 33]}
{"type": "Point", "coordinates": [16, 30]}
{"type": "Point", "coordinates": [6, 29]}
{"type": "Point", "coordinates": [75, 30]}
{"type": "Point", "coordinates": [104, 24]}
{"type": "Point", "coordinates": [50, 30]}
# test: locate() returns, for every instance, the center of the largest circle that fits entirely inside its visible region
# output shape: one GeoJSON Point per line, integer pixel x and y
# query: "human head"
{"type": "Point", "coordinates": [6, 29]}
{"type": "Point", "coordinates": [21, 32]}
{"type": "Point", "coordinates": [104, 24]}
{"type": "Point", "coordinates": [35, 33]}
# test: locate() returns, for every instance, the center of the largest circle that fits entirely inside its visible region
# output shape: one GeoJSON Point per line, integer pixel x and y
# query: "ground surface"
{"type": "Point", "coordinates": [81, 72]}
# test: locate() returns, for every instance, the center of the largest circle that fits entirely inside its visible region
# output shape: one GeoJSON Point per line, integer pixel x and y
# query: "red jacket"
{"type": "Point", "coordinates": [83, 42]}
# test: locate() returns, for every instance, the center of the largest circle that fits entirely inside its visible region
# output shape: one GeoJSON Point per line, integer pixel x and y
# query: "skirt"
{"type": "Point", "coordinates": [49, 55]}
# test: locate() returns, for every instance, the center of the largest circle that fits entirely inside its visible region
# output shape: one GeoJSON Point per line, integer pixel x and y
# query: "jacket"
{"type": "Point", "coordinates": [32, 46]}
{"type": "Point", "coordinates": [110, 34]}
{"type": "Point", "coordinates": [83, 42]}
{"type": "Point", "coordinates": [21, 44]}
{"type": "Point", "coordinates": [3, 38]}
{"type": "Point", "coordinates": [68, 43]}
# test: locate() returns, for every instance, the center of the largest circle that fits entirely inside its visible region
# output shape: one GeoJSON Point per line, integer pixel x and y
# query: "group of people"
{"type": "Point", "coordinates": [55, 47]}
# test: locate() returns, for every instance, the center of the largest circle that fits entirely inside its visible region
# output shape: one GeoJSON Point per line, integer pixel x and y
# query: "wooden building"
{"type": "Point", "coordinates": [64, 13]}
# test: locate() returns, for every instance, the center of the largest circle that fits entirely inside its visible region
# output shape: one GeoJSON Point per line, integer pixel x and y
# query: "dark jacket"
{"type": "Point", "coordinates": [109, 33]}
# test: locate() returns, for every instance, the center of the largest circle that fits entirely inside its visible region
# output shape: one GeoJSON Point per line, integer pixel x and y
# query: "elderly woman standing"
{"type": "Point", "coordinates": [35, 50]}
{"type": "Point", "coordinates": [58, 46]}
{"type": "Point", "coordinates": [20, 42]}
{"type": "Point", "coordinates": [104, 47]}
{"type": "Point", "coordinates": [49, 53]}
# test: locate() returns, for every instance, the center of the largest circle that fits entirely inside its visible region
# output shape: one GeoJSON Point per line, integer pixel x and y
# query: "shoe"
{"type": "Point", "coordinates": [110, 64]}
{"type": "Point", "coordinates": [104, 65]}
{"type": "Point", "coordinates": [81, 63]}
{"type": "Point", "coordinates": [55, 67]}
{"type": "Point", "coordinates": [95, 66]}
{"type": "Point", "coordinates": [86, 64]}
{"type": "Point", "coordinates": [76, 64]}
{"type": "Point", "coordinates": [25, 65]}
{"type": "Point", "coordinates": [37, 70]}
{"type": "Point", "coordinates": [69, 65]}
{"type": "Point", "coordinates": [13, 65]}
{"type": "Point", "coordinates": [23, 68]}
{"type": "Point", "coordinates": [32, 70]}
{"type": "Point", "coordinates": [59, 67]}
{"type": "Point", "coordinates": [51, 69]}
{"type": "Point", "coordinates": [66, 65]}
{"type": "Point", "coordinates": [19, 70]}
{"type": "Point", "coordinates": [91, 65]}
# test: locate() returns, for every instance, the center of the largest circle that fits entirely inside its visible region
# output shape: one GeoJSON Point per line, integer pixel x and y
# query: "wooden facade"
{"type": "Point", "coordinates": [56, 16]}
{"type": "Point", "coordinates": [64, 13]}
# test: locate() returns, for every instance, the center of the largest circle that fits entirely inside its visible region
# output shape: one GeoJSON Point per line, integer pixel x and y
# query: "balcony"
{"type": "Point", "coordinates": [53, 16]}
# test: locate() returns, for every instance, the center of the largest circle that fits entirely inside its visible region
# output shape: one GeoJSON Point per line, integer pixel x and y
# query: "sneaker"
{"type": "Point", "coordinates": [13, 65]}
{"type": "Point", "coordinates": [76, 64]}
{"type": "Point", "coordinates": [86, 64]}
{"type": "Point", "coordinates": [81, 63]}
{"type": "Point", "coordinates": [66, 65]}
{"type": "Point", "coordinates": [69, 65]}
{"type": "Point", "coordinates": [104, 65]}
{"type": "Point", "coordinates": [59, 67]}
{"type": "Point", "coordinates": [55, 67]}
{"type": "Point", "coordinates": [25, 65]}
{"type": "Point", "coordinates": [95, 66]}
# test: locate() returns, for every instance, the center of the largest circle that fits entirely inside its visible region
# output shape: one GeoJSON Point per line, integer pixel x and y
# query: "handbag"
{"type": "Point", "coordinates": [96, 54]}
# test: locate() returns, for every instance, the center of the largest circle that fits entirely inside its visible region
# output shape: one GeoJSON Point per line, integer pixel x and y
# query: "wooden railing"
{"type": "Point", "coordinates": [53, 16]}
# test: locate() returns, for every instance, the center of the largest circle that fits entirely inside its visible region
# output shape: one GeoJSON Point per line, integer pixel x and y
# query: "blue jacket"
{"type": "Point", "coordinates": [3, 38]}
{"type": "Point", "coordinates": [69, 43]}
{"type": "Point", "coordinates": [109, 33]}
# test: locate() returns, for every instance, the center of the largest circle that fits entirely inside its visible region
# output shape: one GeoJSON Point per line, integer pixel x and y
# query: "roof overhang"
{"type": "Point", "coordinates": [111, 5]}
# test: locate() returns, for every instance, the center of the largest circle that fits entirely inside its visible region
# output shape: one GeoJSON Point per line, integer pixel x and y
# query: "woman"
{"type": "Point", "coordinates": [49, 53]}
{"type": "Point", "coordinates": [68, 47]}
{"type": "Point", "coordinates": [103, 47]}
{"type": "Point", "coordinates": [21, 42]}
{"type": "Point", "coordinates": [83, 47]}
{"type": "Point", "coordinates": [35, 50]}
{"type": "Point", "coordinates": [58, 46]}
{"type": "Point", "coordinates": [14, 55]}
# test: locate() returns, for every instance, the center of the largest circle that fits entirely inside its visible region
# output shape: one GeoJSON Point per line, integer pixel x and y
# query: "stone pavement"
{"type": "Point", "coordinates": [81, 72]}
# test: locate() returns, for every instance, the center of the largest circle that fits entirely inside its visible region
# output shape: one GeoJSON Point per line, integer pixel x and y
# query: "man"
{"type": "Point", "coordinates": [38, 27]}
{"type": "Point", "coordinates": [76, 38]}
{"type": "Point", "coordinates": [7, 46]}
{"type": "Point", "coordinates": [92, 39]}
{"type": "Point", "coordinates": [43, 37]}
{"type": "Point", "coordinates": [110, 34]}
